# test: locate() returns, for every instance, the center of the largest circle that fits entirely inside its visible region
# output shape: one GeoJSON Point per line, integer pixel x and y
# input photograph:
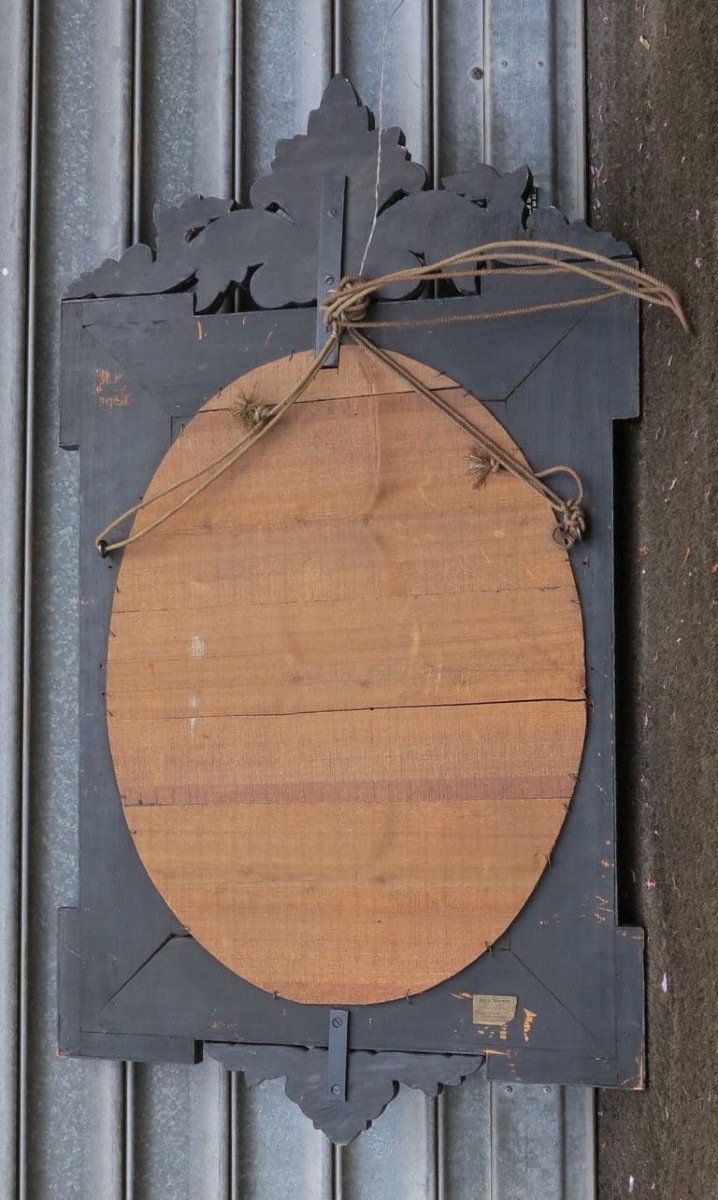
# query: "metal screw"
{"type": "Point", "coordinates": [547, 1088]}
{"type": "Point", "coordinates": [332, 212]}
{"type": "Point", "coordinates": [329, 279]}
{"type": "Point", "coordinates": [476, 73]}
{"type": "Point", "coordinates": [337, 1022]}
{"type": "Point", "coordinates": [335, 1089]}
{"type": "Point", "coordinates": [509, 1089]}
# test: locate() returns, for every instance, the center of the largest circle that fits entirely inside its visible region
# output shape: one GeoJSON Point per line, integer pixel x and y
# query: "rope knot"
{"type": "Point", "coordinates": [572, 524]}
{"type": "Point", "coordinates": [346, 306]}
{"type": "Point", "coordinates": [251, 414]}
{"type": "Point", "coordinates": [482, 464]}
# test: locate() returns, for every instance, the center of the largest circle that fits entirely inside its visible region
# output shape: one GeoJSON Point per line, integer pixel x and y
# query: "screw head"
{"type": "Point", "coordinates": [509, 1089]}
{"type": "Point", "coordinates": [335, 1089]}
{"type": "Point", "coordinates": [337, 1022]}
{"type": "Point", "coordinates": [332, 212]}
{"type": "Point", "coordinates": [476, 73]}
{"type": "Point", "coordinates": [329, 279]}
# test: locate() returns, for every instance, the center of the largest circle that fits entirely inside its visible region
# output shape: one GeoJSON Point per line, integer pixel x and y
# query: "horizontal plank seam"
{"type": "Point", "coordinates": [223, 804]}
{"type": "Point", "coordinates": [310, 712]}
{"type": "Point", "coordinates": [210, 407]}
{"type": "Point", "coordinates": [333, 600]}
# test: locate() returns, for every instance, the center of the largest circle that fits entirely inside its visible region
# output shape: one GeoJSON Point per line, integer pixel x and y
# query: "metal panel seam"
{"type": "Point", "coordinates": [14, 240]}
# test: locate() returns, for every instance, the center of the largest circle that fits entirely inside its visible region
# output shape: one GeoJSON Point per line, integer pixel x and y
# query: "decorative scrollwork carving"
{"type": "Point", "coordinates": [210, 245]}
{"type": "Point", "coordinates": [373, 1080]}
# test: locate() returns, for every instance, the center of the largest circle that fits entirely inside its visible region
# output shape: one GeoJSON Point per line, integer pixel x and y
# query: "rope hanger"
{"type": "Point", "coordinates": [345, 315]}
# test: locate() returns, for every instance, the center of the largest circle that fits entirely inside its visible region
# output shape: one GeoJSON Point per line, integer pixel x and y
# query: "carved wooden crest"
{"type": "Point", "coordinates": [209, 245]}
{"type": "Point", "coordinates": [338, 709]}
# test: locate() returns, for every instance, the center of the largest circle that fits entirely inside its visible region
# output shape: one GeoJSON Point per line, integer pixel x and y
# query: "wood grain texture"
{"type": "Point", "coordinates": [360, 375]}
{"type": "Point", "coordinates": [346, 690]}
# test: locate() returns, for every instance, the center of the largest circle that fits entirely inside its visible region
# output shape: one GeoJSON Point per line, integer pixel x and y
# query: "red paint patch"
{"type": "Point", "coordinates": [111, 389]}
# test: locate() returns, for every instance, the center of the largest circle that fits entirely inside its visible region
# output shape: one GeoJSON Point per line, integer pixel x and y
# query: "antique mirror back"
{"type": "Point", "coordinates": [345, 688]}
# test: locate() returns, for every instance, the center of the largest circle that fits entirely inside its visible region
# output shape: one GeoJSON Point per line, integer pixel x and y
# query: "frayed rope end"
{"type": "Point", "coordinates": [250, 414]}
{"type": "Point", "coordinates": [481, 465]}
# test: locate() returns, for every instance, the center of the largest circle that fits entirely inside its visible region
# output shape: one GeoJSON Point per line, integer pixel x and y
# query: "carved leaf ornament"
{"type": "Point", "coordinates": [212, 245]}
{"type": "Point", "coordinates": [373, 1080]}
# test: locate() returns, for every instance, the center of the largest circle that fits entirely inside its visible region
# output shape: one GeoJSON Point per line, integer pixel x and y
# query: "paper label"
{"type": "Point", "coordinates": [493, 1010]}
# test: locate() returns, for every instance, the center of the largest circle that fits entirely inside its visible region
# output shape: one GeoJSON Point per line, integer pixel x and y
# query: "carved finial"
{"type": "Point", "coordinates": [340, 90]}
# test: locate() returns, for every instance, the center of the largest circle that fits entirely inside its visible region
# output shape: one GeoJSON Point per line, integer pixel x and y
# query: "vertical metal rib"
{"type": "Point", "coordinates": [440, 1146]}
{"type": "Point", "coordinates": [432, 24]}
{"type": "Point", "coordinates": [488, 80]}
{"type": "Point", "coordinates": [237, 102]}
{"type": "Point", "coordinates": [337, 37]}
{"type": "Point", "coordinates": [432, 33]}
{"type": "Point", "coordinates": [337, 1153]}
{"type": "Point", "coordinates": [554, 103]}
{"type": "Point", "coordinates": [493, 1184]}
{"type": "Point", "coordinates": [431, 1130]}
{"type": "Point", "coordinates": [136, 162]}
{"type": "Point", "coordinates": [128, 1187]}
{"type": "Point", "coordinates": [234, 1146]}
{"type": "Point", "coordinates": [579, 122]}
{"type": "Point", "coordinates": [227, 1191]}
{"type": "Point", "coordinates": [30, 342]}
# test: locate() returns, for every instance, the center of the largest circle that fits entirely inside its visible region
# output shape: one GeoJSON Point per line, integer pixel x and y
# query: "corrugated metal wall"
{"type": "Point", "coordinates": [109, 107]}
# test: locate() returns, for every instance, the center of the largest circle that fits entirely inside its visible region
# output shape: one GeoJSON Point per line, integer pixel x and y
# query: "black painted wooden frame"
{"type": "Point", "coordinates": [146, 342]}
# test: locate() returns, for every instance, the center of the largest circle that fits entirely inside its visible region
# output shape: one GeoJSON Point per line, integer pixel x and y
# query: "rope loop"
{"type": "Point", "coordinates": [570, 514]}
{"type": "Point", "coordinates": [345, 312]}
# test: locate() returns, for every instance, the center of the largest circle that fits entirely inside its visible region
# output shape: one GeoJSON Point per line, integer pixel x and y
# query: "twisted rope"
{"type": "Point", "coordinates": [345, 315]}
{"type": "Point", "coordinates": [214, 469]}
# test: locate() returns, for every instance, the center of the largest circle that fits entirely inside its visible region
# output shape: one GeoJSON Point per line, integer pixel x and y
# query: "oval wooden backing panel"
{"type": "Point", "coordinates": [346, 689]}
